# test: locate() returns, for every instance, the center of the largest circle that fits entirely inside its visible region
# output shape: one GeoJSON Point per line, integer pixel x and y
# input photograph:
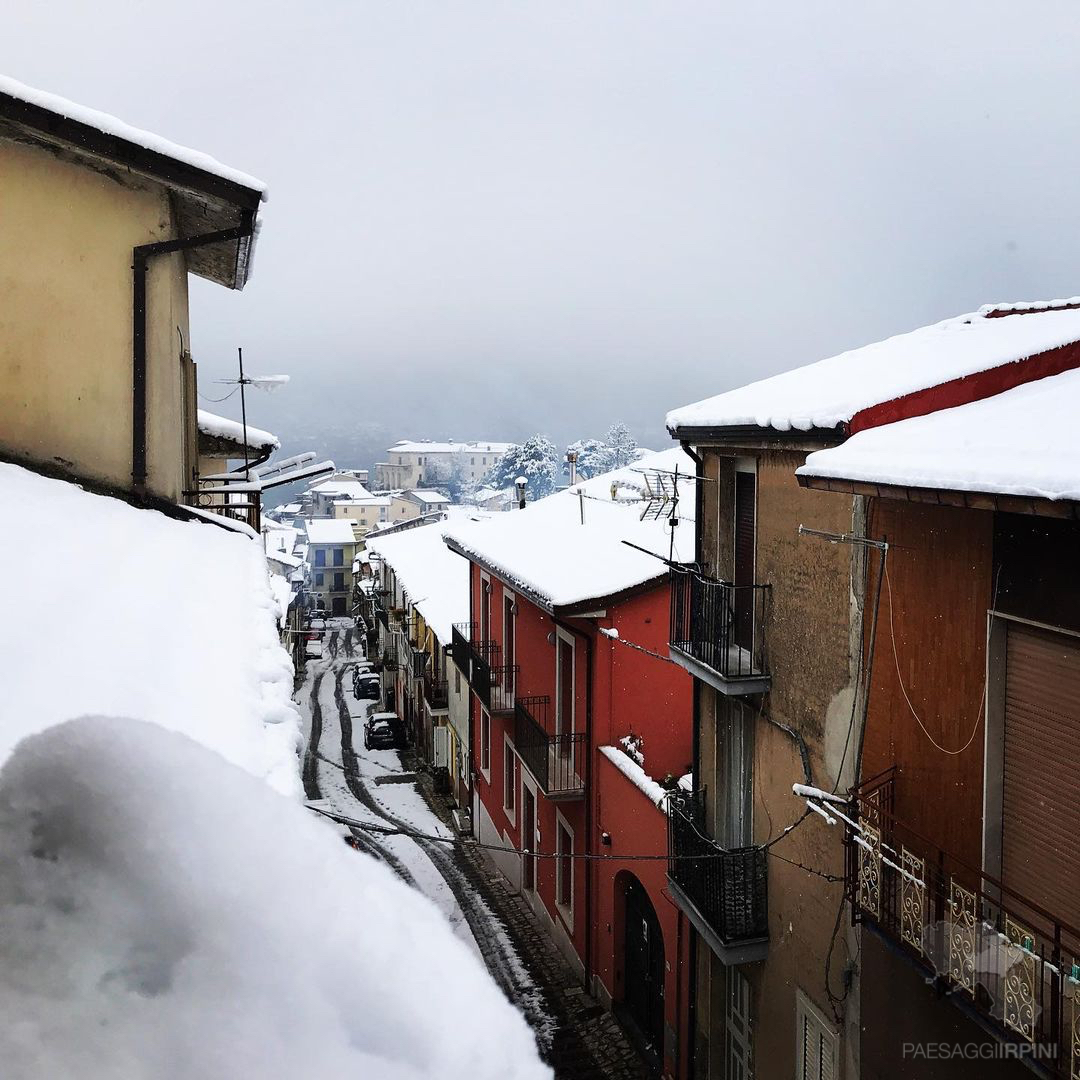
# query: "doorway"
{"type": "Point", "coordinates": [528, 838]}
{"type": "Point", "coordinates": [745, 518]}
{"type": "Point", "coordinates": [643, 969]}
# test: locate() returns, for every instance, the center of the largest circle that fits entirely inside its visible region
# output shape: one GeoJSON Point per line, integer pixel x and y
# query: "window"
{"type": "Point", "coordinates": [509, 633]}
{"type": "Point", "coordinates": [457, 679]}
{"type": "Point", "coordinates": [564, 685]}
{"type": "Point", "coordinates": [339, 583]}
{"type": "Point", "coordinates": [564, 869]}
{"type": "Point", "coordinates": [485, 744]}
{"type": "Point", "coordinates": [509, 780]}
{"type": "Point", "coordinates": [737, 1037]}
{"type": "Point", "coordinates": [485, 608]}
{"type": "Point", "coordinates": [319, 579]}
{"type": "Point", "coordinates": [817, 1045]}
{"type": "Point", "coordinates": [320, 556]}
{"type": "Point", "coordinates": [339, 556]}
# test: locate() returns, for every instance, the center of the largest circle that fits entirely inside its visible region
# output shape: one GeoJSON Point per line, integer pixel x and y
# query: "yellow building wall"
{"type": "Point", "coordinates": [66, 239]}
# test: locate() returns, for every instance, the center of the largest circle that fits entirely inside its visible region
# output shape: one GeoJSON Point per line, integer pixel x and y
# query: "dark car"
{"type": "Point", "coordinates": [368, 686]}
{"type": "Point", "coordinates": [384, 731]}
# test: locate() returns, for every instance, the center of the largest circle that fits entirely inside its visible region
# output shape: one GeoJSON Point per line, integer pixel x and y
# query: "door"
{"type": "Point", "coordinates": [745, 515]}
{"type": "Point", "coordinates": [1040, 858]}
{"type": "Point", "coordinates": [734, 770]}
{"type": "Point", "coordinates": [737, 1022]}
{"type": "Point", "coordinates": [442, 746]}
{"type": "Point", "coordinates": [643, 969]}
{"type": "Point", "coordinates": [337, 605]}
{"type": "Point", "coordinates": [528, 837]}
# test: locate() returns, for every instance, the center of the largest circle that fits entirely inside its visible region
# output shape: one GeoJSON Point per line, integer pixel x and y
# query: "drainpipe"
{"type": "Point", "coordinates": [141, 257]}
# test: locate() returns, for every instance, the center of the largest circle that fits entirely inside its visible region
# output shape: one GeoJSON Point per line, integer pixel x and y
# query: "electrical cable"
{"type": "Point", "coordinates": [903, 689]}
{"type": "Point", "coordinates": [218, 400]}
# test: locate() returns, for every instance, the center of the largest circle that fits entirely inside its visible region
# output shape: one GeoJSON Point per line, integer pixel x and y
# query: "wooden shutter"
{"type": "Point", "coordinates": [1040, 857]}
{"type": "Point", "coordinates": [745, 512]}
{"type": "Point", "coordinates": [817, 1044]}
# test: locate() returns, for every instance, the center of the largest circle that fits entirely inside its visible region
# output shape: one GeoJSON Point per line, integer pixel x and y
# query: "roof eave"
{"type": "Point", "coordinates": [1037, 506]}
{"type": "Point", "coordinates": [760, 438]}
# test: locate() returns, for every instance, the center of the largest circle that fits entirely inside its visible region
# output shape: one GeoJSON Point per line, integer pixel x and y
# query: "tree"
{"type": "Point", "coordinates": [448, 476]}
{"type": "Point", "coordinates": [622, 445]}
{"type": "Point", "coordinates": [536, 459]}
{"type": "Point", "coordinates": [597, 456]}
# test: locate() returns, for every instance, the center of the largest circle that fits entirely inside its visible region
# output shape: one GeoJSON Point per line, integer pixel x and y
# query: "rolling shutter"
{"type": "Point", "coordinates": [1041, 786]}
{"type": "Point", "coordinates": [745, 512]}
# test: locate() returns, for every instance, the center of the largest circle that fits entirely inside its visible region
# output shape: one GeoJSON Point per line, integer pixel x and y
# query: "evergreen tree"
{"type": "Point", "coordinates": [622, 445]}
{"type": "Point", "coordinates": [536, 459]}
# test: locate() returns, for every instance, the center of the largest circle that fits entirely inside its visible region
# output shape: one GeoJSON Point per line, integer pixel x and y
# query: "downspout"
{"type": "Point", "coordinates": [141, 257]}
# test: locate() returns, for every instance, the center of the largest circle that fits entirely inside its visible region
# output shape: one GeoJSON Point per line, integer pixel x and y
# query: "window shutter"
{"type": "Point", "coordinates": [817, 1044]}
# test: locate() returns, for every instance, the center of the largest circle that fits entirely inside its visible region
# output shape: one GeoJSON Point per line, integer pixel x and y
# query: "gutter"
{"type": "Point", "coordinates": [141, 257]}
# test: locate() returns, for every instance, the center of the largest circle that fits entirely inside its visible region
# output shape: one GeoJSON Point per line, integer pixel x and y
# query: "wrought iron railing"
{"type": "Point", "coordinates": [504, 681]}
{"type": "Point", "coordinates": [418, 659]}
{"type": "Point", "coordinates": [436, 692]}
{"type": "Point", "coordinates": [245, 507]}
{"type": "Point", "coordinates": [1006, 956]}
{"type": "Point", "coordinates": [729, 887]}
{"type": "Point", "coordinates": [460, 637]}
{"type": "Point", "coordinates": [557, 761]}
{"type": "Point", "coordinates": [718, 624]}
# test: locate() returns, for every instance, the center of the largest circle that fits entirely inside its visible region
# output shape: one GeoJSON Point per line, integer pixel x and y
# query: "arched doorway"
{"type": "Point", "coordinates": [643, 969]}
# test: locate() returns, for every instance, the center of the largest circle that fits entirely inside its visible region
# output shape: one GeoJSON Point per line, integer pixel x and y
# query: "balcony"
{"type": "Point", "coordinates": [476, 660]}
{"type": "Point", "coordinates": [999, 956]}
{"type": "Point", "coordinates": [418, 659]}
{"type": "Point", "coordinates": [556, 761]}
{"type": "Point", "coordinates": [245, 507]}
{"type": "Point", "coordinates": [723, 892]}
{"type": "Point", "coordinates": [717, 631]}
{"type": "Point", "coordinates": [436, 692]}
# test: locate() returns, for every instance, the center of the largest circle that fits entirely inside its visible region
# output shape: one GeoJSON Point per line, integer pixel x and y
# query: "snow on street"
{"type": "Point", "coordinates": [373, 786]}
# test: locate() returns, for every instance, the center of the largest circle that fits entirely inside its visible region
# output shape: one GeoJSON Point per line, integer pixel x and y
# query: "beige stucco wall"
{"type": "Point", "coordinates": [66, 239]}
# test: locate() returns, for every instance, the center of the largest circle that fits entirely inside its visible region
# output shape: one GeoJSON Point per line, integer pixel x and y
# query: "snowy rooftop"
{"type": "Point", "coordinates": [436, 579]}
{"type": "Point", "coordinates": [158, 655]}
{"type": "Point", "coordinates": [547, 552]}
{"type": "Point", "coordinates": [279, 538]}
{"type": "Point", "coordinates": [220, 427]}
{"type": "Point", "coordinates": [1021, 442]}
{"type": "Point", "coordinates": [329, 531]}
{"type": "Point", "coordinates": [370, 500]}
{"type": "Point", "coordinates": [831, 392]}
{"type": "Point", "coordinates": [435, 498]}
{"type": "Point", "coordinates": [340, 487]}
{"type": "Point", "coordinates": [425, 447]}
{"type": "Point", "coordinates": [110, 125]}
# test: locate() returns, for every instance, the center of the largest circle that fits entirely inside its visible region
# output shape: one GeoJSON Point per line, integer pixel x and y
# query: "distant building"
{"type": "Point", "coordinates": [331, 553]}
{"type": "Point", "coordinates": [436, 464]}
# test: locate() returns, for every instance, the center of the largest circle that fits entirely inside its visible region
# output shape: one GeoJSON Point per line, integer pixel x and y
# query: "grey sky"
{"type": "Point", "coordinates": [489, 218]}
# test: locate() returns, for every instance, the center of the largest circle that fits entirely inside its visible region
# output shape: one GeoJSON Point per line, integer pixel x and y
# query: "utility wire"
{"type": "Point", "coordinates": [218, 400]}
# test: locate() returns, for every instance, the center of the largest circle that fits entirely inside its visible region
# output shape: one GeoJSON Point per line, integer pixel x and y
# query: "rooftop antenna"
{"type": "Point", "coordinates": [260, 382]}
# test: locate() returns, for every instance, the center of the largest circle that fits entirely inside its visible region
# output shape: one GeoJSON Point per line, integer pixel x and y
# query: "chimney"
{"type": "Point", "coordinates": [520, 483]}
{"type": "Point", "coordinates": [571, 457]}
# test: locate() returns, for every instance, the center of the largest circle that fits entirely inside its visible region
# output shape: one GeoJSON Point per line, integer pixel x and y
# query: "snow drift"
{"type": "Point", "coordinates": [163, 914]}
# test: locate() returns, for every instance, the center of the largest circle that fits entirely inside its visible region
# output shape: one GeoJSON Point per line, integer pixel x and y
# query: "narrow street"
{"type": "Point", "coordinates": [577, 1036]}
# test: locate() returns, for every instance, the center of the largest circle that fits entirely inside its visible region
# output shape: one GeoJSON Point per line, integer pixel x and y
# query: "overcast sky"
{"type": "Point", "coordinates": [488, 218]}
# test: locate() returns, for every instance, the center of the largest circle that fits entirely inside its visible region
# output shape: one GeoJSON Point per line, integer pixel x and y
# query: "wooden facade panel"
{"type": "Point", "coordinates": [940, 566]}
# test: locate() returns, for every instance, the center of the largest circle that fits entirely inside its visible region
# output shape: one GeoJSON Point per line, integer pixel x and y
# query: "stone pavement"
{"type": "Point", "coordinates": [587, 1042]}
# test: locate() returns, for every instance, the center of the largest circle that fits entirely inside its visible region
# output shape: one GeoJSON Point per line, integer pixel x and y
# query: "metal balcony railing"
{"type": "Point", "coordinates": [557, 761]}
{"type": "Point", "coordinates": [724, 891]}
{"type": "Point", "coordinates": [503, 681]}
{"type": "Point", "coordinates": [245, 507]}
{"type": "Point", "coordinates": [436, 692]}
{"type": "Point", "coordinates": [1017, 964]}
{"type": "Point", "coordinates": [418, 659]}
{"type": "Point", "coordinates": [460, 637]}
{"type": "Point", "coordinates": [720, 627]}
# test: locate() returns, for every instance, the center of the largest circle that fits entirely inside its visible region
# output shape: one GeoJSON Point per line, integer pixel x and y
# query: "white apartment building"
{"type": "Point", "coordinates": [424, 464]}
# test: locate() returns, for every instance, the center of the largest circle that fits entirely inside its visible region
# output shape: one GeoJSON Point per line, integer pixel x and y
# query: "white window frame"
{"type": "Point", "coordinates": [509, 754]}
{"type": "Point", "coordinates": [561, 727]}
{"type": "Point", "coordinates": [485, 718]}
{"type": "Point", "coordinates": [806, 1010]}
{"type": "Point", "coordinates": [566, 912]}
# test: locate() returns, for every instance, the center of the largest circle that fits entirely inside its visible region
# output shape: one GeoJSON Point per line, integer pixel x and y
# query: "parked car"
{"type": "Point", "coordinates": [313, 649]}
{"type": "Point", "coordinates": [368, 686]}
{"type": "Point", "coordinates": [384, 731]}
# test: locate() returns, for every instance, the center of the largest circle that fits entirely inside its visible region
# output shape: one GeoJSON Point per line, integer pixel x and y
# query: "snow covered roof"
{"type": "Point", "coordinates": [370, 500]}
{"type": "Point", "coordinates": [549, 554]}
{"type": "Point", "coordinates": [424, 495]}
{"type": "Point", "coordinates": [208, 195]}
{"type": "Point", "coordinates": [832, 392]}
{"type": "Point", "coordinates": [436, 579]}
{"type": "Point", "coordinates": [425, 447]}
{"type": "Point", "coordinates": [329, 531]}
{"type": "Point", "coordinates": [342, 488]}
{"type": "Point", "coordinates": [153, 654]}
{"type": "Point", "coordinates": [1021, 442]}
{"type": "Point", "coordinates": [221, 427]}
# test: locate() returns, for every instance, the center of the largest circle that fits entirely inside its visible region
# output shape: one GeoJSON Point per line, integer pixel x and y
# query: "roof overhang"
{"type": "Point", "coordinates": [204, 202]}
{"type": "Point", "coordinates": [751, 436]}
{"type": "Point", "coordinates": [972, 500]}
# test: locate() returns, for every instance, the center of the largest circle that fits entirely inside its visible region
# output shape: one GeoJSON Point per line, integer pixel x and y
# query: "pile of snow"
{"type": "Point", "coordinates": [170, 621]}
{"type": "Point", "coordinates": [1021, 442]}
{"type": "Point", "coordinates": [110, 125]}
{"type": "Point", "coordinates": [164, 914]}
{"type": "Point", "coordinates": [832, 391]}
{"type": "Point", "coordinates": [637, 776]}
{"type": "Point", "coordinates": [435, 578]}
{"type": "Point", "coordinates": [547, 551]}
{"type": "Point", "coordinates": [221, 427]}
